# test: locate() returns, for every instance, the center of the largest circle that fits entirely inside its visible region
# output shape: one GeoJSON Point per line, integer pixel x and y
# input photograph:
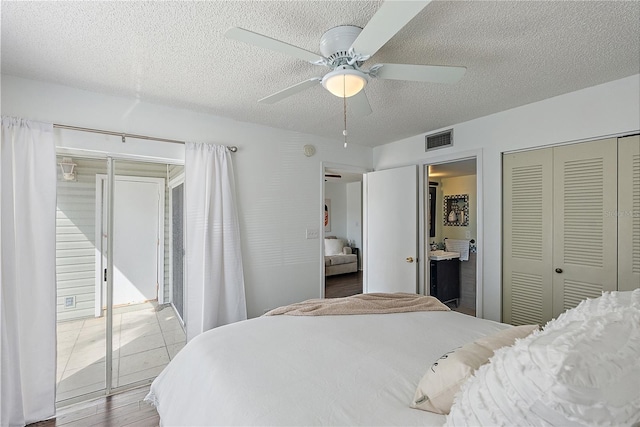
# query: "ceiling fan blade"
{"type": "Point", "coordinates": [392, 16]}
{"type": "Point", "coordinates": [259, 40]}
{"type": "Point", "coordinates": [291, 90]}
{"type": "Point", "coordinates": [419, 73]}
{"type": "Point", "coordinates": [359, 104]}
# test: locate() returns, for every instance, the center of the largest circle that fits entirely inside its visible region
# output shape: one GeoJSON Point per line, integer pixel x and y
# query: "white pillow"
{"type": "Point", "coordinates": [333, 246]}
{"type": "Point", "coordinates": [582, 369]}
{"type": "Point", "coordinates": [443, 379]}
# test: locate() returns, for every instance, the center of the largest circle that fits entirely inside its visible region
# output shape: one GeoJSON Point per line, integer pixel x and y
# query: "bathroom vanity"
{"type": "Point", "coordinates": [445, 276]}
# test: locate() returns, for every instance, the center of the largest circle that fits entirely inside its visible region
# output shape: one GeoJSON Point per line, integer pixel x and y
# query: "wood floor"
{"type": "Point", "coordinates": [343, 285]}
{"type": "Point", "coordinates": [123, 409]}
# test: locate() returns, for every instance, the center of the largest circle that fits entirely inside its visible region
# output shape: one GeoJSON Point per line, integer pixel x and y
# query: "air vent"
{"type": "Point", "coordinates": [438, 140]}
{"type": "Point", "coordinates": [70, 302]}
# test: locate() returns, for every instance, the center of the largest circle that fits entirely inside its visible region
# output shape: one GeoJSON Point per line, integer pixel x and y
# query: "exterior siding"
{"type": "Point", "coordinates": [75, 239]}
{"type": "Point", "coordinates": [75, 233]}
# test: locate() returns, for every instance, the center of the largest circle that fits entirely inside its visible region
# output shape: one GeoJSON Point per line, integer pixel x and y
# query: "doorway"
{"type": "Point", "coordinates": [451, 206]}
{"type": "Point", "coordinates": [397, 200]}
{"type": "Point", "coordinates": [342, 232]}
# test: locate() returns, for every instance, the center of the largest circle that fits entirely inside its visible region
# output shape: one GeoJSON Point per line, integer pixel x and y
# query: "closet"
{"type": "Point", "coordinates": [571, 226]}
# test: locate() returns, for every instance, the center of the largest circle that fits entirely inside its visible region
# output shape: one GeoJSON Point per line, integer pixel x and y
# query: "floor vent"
{"type": "Point", "coordinates": [438, 140]}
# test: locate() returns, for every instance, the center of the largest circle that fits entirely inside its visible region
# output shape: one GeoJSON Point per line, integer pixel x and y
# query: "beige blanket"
{"type": "Point", "coordinates": [362, 304]}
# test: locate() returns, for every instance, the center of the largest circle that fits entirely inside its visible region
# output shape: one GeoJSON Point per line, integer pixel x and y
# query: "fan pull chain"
{"type": "Point", "coordinates": [344, 99]}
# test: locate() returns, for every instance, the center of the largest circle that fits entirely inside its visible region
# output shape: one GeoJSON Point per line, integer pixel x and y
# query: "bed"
{"type": "Point", "coordinates": [317, 370]}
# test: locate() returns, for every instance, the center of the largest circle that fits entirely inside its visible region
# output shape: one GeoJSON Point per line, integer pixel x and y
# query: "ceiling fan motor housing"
{"type": "Point", "coordinates": [335, 43]}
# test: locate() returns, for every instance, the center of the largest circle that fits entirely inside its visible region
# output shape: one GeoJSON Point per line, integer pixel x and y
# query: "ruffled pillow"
{"type": "Point", "coordinates": [582, 369]}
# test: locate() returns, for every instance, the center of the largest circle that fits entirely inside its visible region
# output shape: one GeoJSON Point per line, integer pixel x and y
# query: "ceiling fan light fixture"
{"type": "Point", "coordinates": [344, 82]}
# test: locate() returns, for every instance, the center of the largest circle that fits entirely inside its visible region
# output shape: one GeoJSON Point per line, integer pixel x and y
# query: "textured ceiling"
{"type": "Point", "coordinates": [174, 53]}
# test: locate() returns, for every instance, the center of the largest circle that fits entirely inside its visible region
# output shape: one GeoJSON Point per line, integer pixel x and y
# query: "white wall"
{"type": "Point", "coordinates": [279, 189]}
{"type": "Point", "coordinates": [608, 109]}
{"type": "Point", "coordinates": [337, 193]}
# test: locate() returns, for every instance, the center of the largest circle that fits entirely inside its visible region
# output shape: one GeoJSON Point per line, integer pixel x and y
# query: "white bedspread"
{"type": "Point", "coordinates": [330, 370]}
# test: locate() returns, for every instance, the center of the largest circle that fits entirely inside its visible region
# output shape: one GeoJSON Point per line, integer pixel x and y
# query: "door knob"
{"type": "Point", "coordinates": [409, 259]}
{"type": "Point", "coordinates": [558, 270]}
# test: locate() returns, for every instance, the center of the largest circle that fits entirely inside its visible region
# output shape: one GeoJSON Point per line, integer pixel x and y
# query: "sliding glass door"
{"type": "Point", "coordinates": [116, 326]}
{"type": "Point", "coordinates": [81, 328]}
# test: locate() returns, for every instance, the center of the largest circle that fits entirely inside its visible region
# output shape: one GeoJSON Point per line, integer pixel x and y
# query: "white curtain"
{"type": "Point", "coordinates": [27, 272]}
{"type": "Point", "coordinates": [215, 280]}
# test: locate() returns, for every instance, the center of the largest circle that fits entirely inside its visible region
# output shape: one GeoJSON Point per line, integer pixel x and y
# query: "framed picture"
{"type": "Point", "coordinates": [327, 214]}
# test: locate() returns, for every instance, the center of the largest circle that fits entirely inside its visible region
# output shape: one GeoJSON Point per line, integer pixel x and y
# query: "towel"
{"type": "Point", "coordinates": [374, 303]}
{"type": "Point", "coordinates": [462, 246]}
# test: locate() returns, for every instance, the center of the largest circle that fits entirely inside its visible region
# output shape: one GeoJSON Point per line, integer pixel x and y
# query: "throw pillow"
{"type": "Point", "coordinates": [333, 246]}
{"type": "Point", "coordinates": [442, 381]}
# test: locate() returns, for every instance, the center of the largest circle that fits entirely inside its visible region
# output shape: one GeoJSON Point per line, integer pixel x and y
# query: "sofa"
{"type": "Point", "coordinates": [338, 258]}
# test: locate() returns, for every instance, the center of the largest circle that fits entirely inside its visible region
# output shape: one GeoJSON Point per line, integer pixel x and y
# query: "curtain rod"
{"type": "Point", "coordinates": [231, 148]}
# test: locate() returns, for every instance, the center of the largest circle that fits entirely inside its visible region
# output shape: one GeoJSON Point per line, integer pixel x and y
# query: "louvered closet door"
{"type": "Point", "coordinates": [585, 226]}
{"type": "Point", "coordinates": [628, 213]}
{"type": "Point", "coordinates": [527, 219]}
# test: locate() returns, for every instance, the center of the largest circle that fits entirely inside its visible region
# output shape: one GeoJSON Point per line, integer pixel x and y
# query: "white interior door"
{"type": "Point", "coordinates": [137, 240]}
{"type": "Point", "coordinates": [391, 230]}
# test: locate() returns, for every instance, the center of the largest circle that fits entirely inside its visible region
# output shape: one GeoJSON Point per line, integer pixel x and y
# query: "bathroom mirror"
{"type": "Point", "coordinates": [456, 210]}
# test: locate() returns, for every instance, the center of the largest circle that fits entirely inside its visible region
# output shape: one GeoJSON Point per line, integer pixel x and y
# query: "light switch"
{"type": "Point", "coordinates": [312, 233]}
{"type": "Point", "coordinates": [467, 234]}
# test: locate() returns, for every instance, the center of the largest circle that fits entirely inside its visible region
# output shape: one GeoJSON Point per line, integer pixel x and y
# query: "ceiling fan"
{"type": "Point", "coordinates": [345, 49]}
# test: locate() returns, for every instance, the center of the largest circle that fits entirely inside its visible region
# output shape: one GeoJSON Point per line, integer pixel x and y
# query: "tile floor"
{"type": "Point", "coordinates": [145, 338]}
